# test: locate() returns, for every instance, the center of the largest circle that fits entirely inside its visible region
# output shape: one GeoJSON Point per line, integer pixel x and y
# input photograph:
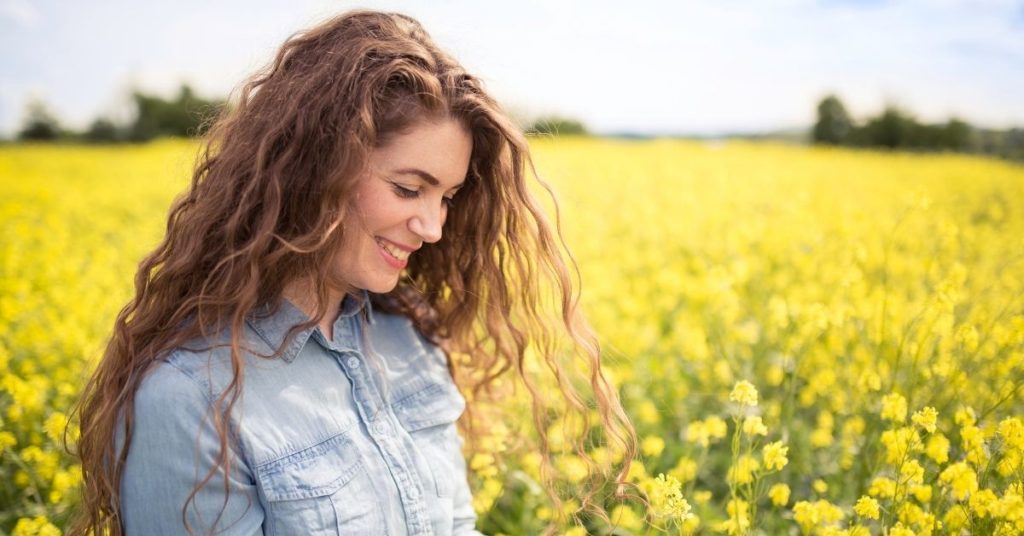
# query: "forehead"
{"type": "Point", "coordinates": [440, 149]}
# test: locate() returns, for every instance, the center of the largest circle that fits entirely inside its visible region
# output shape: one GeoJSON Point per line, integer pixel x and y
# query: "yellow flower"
{"type": "Point", "coordinates": [779, 494]}
{"type": "Point", "coordinates": [775, 455]}
{"type": "Point", "coordinates": [739, 517]}
{"type": "Point", "coordinates": [867, 507]}
{"type": "Point", "coordinates": [652, 446]}
{"type": "Point", "coordinates": [666, 499]}
{"type": "Point", "coordinates": [912, 472]}
{"type": "Point", "coordinates": [717, 427]}
{"type": "Point", "coordinates": [964, 416]}
{"type": "Point", "coordinates": [743, 471]}
{"type": "Point", "coordinates": [961, 479]}
{"type": "Point", "coordinates": [685, 469]}
{"type": "Point", "coordinates": [1012, 430]}
{"type": "Point", "coordinates": [900, 530]}
{"type": "Point", "coordinates": [894, 407]}
{"type": "Point", "coordinates": [984, 503]}
{"type": "Point", "coordinates": [744, 393]}
{"type": "Point", "coordinates": [937, 448]}
{"type": "Point", "coordinates": [926, 419]}
{"type": "Point", "coordinates": [819, 486]}
{"type": "Point", "coordinates": [882, 487]}
{"type": "Point", "coordinates": [754, 426]}
{"type": "Point", "coordinates": [922, 492]}
{"type": "Point", "coordinates": [37, 526]}
{"type": "Point", "coordinates": [899, 443]}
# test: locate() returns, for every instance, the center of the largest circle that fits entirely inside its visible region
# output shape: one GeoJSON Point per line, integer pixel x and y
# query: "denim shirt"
{"type": "Point", "coordinates": [351, 436]}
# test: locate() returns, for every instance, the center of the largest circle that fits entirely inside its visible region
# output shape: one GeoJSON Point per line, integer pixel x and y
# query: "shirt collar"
{"type": "Point", "coordinates": [272, 326]}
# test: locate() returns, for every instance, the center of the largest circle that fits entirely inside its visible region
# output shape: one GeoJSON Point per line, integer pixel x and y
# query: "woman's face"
{"type": "Point", "coordinates": [402, 202]}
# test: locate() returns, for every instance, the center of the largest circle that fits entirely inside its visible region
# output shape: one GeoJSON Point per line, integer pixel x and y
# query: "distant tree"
{"type": "Point", "coordinates": [102, 130]}
{"type": "Point", "coordinates": [833, 125]}
{"type": "Point", "coordinates": [891, 129]}
{"type": "Point", "coordinates": [957, 135]}
{"type": "Point", "coordinates": [187, 115]}
{"type": "Point", "coordinates": [556, 125]}
{"type": "Point", "coordinates": [40, 124]}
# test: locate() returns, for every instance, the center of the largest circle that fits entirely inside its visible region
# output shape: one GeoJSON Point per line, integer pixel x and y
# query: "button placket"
{"type": "Point", "coordinates": [382, 431]}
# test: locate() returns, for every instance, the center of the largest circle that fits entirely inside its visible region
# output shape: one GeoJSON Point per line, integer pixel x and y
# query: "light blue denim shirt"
{"type": "Point", "coordinates": [351, 436]}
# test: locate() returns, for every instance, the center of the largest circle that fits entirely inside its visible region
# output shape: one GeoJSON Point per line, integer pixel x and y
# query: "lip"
{"type": "Point", "coordinates": [391, 261]}
{"type": "Point", "coordinates": [402, 247]}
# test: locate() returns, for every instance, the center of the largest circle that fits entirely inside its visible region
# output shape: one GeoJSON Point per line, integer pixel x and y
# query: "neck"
{"type": "Point", "coordinates": [302, 296]}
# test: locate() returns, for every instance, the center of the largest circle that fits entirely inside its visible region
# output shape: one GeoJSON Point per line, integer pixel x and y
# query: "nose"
{"type": "Point", "coordinates": [427, 222]}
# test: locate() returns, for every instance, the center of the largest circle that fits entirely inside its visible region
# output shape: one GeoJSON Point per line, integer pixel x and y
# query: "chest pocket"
{"type": "Point", "coordinates": [428, 410]}
{"type": "Point", "coordinates": [323, 489]}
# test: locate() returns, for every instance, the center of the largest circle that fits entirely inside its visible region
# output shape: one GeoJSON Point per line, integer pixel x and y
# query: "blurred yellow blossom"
{"type": "Point", "coordinates": [961, 479]}
{"type": "Point", "coordinates": [652, 446]}
{"type": "Point", "coordinates": [779, 494]}
{"type": "Point", "coordinates": [775, 455]}
{"type": "Point", "coordinates": [926, 418]}
{"type": "Point", "coordinates": [867, 507]}
{"type": "Point", "coordinates": [894, 407]}
{"type": "Point", "coordinates": [754, 426]}
{"type": "Point", "coordinates": [937, 448]}
{"type": "Point", "coordinates": [744, 393]}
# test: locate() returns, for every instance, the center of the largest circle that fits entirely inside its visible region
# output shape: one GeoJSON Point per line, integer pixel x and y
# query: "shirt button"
{"type": "Point", "coordinates": [381, 428]}
{"type": "Point", "coordinates": [414, 492]}
{"type": "Point", "coordinates": [353, 363]}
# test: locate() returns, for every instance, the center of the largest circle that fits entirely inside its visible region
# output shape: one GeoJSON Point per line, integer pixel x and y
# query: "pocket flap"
{"type": "Point", "coordinates": [430, 404]}
{"type": "Point", "coordinates": [317, 471]}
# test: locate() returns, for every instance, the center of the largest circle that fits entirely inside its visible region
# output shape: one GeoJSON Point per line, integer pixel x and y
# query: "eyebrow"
{"type": "Point", "coordinates": [430, 179]}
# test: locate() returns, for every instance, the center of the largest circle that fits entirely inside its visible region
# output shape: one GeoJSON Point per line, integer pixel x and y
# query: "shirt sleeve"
{"type": "Point", "coordinates": [174, 444]}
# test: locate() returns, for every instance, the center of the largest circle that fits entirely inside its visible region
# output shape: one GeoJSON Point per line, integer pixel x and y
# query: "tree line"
{"type": "Point", "coordinates": [185, 115]}
{"type": "Point", "coordinates": [896, 129]}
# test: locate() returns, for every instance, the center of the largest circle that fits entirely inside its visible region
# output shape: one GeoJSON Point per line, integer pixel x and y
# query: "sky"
{"type": "Point", "coordinates": [702, 67]}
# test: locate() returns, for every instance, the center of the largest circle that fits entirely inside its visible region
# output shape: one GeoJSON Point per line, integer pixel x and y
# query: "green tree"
{"type": "Point", "coordinates": [187, 115]}
{"type": "Point", "coordinates": [102, 130]}
{"type": "Point", "coordinates": [40, 124]}
{"type": "Point", "coordinates": [833, 125]}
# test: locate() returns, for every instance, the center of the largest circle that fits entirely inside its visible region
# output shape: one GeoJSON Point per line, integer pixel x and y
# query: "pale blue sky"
{"type": "Point", "coordinates": [705, 67]}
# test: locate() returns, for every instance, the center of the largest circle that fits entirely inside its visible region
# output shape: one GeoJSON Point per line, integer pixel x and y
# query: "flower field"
{"type": "Point", "coordinates": [809, 341]}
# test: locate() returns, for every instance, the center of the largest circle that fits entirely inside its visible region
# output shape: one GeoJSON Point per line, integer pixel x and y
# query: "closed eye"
{"type": "Point", "coordinates": [404, 192]}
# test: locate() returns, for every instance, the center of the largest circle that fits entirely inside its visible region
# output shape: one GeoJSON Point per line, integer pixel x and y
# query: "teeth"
{"type": "Point", "coordinates": [395, 252]}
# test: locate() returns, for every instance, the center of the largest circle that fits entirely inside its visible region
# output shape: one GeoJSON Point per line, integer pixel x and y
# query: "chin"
{"type": "Point", "coordinates": [382, 286]}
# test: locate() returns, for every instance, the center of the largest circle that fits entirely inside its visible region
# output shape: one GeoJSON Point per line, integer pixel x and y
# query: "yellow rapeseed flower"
{"type": "Point", "coordinates": [744, 393]}
{"type": "Point", "coordinates": [867, 507]}
{"type": "Point", "coordinates": [743, 471]}
{"type": "Point", "coordinates": [937, 448]}
{"type": "Point", "coordinates": [754, 426]}
{"type": "Point", "coordinates": [666, 499]}
{"type": "Point", "coordinates": [652, 446]}
{"type": "Point", "coordinates": [774, 455]}
{"type": "Point", "coordinates": [779, 494]}
{"type": "Point", "coordinates": [926, 418]}
{"type": "Point", "coordinates": [894, 407]}
{"type": "Point", "coordinates": [961, 479]}
{"type": "Point", "coordinates": [984, 503]}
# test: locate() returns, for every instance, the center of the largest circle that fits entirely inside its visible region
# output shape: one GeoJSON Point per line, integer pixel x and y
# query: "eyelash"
{"type": "Point", "coordinates": [406, 193]}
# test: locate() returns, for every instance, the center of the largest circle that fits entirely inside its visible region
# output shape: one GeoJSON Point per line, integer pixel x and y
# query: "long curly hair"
{"type": "Point", "coordinates": [267, 206]}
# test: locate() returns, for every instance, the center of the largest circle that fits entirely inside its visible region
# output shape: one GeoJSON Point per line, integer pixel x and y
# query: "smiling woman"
{"type": "Point", "coordinates": [361, 216]}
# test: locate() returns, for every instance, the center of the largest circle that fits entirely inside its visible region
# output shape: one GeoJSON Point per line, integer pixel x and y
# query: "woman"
{"type": "Point", "coordinates": [286, 365]}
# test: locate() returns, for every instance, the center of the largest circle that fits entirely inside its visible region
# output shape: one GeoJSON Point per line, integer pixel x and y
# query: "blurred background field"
{"type": "Point", "coordinates": [852, 289]}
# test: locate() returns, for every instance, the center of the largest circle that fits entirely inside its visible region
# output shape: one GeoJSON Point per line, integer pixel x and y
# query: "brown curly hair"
{"type": "Point", "coordinates": [302, 130]}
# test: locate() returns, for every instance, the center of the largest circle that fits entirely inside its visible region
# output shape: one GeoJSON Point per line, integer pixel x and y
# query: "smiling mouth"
{"type": "Point", "coordinates": [397, 253]}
